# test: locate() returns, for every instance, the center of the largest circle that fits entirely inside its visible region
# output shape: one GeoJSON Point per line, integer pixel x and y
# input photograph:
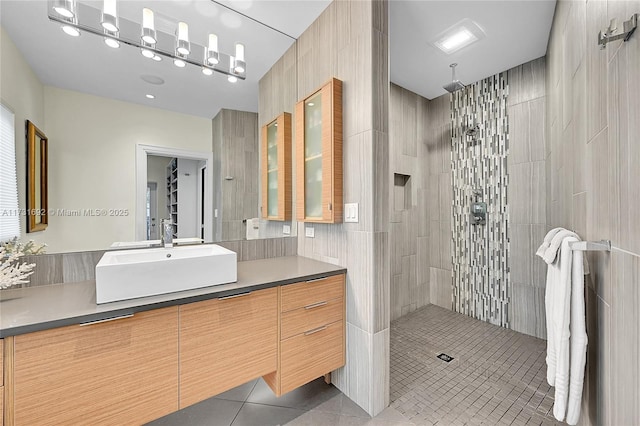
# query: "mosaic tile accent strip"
{"type": "Point", "coordinates": [480, 144]}
{"type": "Point", "coordinates": [497, 376]}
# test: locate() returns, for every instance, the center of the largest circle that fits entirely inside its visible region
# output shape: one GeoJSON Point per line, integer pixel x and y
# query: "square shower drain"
{"type": "Point", "coordinates": [445, 357]}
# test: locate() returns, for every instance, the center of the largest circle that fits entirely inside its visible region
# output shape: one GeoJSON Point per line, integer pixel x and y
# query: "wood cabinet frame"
{"type": "Point", "coordinates": [332, 174]}
{"type": "Point", "coordinates": [285, 207]}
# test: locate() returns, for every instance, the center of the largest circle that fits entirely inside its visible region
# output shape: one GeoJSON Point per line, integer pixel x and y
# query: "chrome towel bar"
{"type": "Point", "coordinates": [604, 245]}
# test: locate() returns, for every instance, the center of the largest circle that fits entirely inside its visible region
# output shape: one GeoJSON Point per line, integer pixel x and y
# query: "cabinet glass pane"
{"type": "Point", "coordinates": [313, 156]}
{"type": "Point", "coordinates": [272, 169]}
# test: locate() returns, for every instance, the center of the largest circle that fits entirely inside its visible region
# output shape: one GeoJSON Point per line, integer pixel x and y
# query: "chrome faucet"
{"type": "Point", "coordinates": [166, 238]}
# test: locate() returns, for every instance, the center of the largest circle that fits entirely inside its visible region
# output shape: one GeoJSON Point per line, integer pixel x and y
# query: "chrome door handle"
{"type": "Point", "coordinates": [316, 305]}
{"type": "Point", "coordinates": [315, 330]}
{"type": "Point", "coordinates": [84, 324]}
{"type": "Point", "coordinates": [233, 296]}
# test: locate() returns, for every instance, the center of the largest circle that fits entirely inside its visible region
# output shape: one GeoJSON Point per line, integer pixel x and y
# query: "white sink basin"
{"type": "Point", "coordinates": [128, 274]}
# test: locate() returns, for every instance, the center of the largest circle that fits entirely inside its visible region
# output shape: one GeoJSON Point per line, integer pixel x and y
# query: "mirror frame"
{"type": "Point", "coordinates": [37, 208]}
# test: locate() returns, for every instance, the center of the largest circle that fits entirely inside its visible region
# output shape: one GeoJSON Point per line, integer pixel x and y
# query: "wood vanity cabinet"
{"type": "Point", "coordinates": [312, 332]}
{"type": "Point", "coordinates": [1, 382]}
{"type": "Point", "coordinates": [118, 371]}
{"type": "Point", "coordinates": [226, 342]}
{"type": "Point", "coordinates": [276, 169]}
{"type": "Point", "coordinates": [319, 155]}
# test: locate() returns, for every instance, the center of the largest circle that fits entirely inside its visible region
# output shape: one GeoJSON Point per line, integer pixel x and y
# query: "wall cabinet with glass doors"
{"type": "Point", "coordinates": [277, 169]}
{"type": "Point", "coordinates": [319, 155]}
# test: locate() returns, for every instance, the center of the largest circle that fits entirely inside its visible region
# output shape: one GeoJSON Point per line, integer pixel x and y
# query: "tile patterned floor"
{"type": "Point", "coordinates": [497, 377]}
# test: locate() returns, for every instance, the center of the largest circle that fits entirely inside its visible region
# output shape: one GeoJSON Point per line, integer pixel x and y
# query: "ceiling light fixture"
{"type": "Point", "coordinates": [458, 36]}
{"type": "Point", "coordinates": [110, 16]}
{"type": "Point", "coordinates": [104, 22]}
{"type": "Point", "coordinates": [148, 27]}
{"type": "Point", "coordinates": [65, 8]}
{"type": "Point", "coordinates": [149, 96]}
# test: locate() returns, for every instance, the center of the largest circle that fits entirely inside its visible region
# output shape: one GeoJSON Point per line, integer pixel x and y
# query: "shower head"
{"type": "Point", "coordinates": [455, 84]}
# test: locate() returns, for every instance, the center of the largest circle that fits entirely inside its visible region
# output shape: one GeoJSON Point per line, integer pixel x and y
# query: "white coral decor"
{"type": "Point", "coordinates": [12, 272]}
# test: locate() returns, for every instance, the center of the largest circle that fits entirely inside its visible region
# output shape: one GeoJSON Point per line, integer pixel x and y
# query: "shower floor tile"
{"type": "Point", "coordinates": [497, 376]}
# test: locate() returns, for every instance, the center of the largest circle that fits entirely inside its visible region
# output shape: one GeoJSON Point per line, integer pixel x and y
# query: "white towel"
{"type": "Point", "coordinates": [578, 339]}
{"type": "Point", "coordinates": [547, 240]}
{"type": "Point", "coordinates": [560, 323]}
{"type": "Point", "coordinates": [554, 298]}
{"type": "Point", "coordinates": [566, 330]}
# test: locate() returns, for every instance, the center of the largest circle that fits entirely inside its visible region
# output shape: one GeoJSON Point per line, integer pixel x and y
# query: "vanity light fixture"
{"type": "Point", "coordinates": [239, 59]}
{"type": "Point", "coordinates": [116, 31]}
{"type": "Point", "coordinates": [182, 39]}
{"type": "Point", "coordinates": [65, 8]}
{"type": "Point", "coordinates": [458, 36]}
{"type": "Point", "coordinates": [211, 54]}
{"type": "Point", "coordinates": [109, 16]}
{"type": "Point", "coordinates": [148, 27]}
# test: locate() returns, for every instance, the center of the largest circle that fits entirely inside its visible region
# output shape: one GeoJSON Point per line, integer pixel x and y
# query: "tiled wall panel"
{"type": "Point", "coordinates": [481, 277]}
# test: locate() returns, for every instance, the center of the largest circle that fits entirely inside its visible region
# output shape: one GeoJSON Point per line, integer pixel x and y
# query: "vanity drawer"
{"type": "Point", "coordinates": [311, 317]}
{"type": "Point", "coordinates": [307, 293]}
{"type": "Point", "coordinates": [310, 355]}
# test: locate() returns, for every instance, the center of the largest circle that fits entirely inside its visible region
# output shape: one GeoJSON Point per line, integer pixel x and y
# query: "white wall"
{"type": "Point", "coordinates": [23, 93]}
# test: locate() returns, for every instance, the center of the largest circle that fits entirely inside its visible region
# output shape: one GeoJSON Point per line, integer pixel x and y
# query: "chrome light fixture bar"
{"type": "Point", "coordinates": [152, 43]}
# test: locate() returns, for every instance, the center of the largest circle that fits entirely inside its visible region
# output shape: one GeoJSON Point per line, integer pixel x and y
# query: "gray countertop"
{"type": "Point", "coordinates": [41, 308]}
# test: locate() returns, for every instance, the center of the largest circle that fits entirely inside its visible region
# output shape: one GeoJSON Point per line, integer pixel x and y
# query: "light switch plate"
{"type": "Point", "coordinates": [309, 231]}
{"type": "Point", "coordinates": [286, 229]}
{"type": "Point", "coordinates": [351, 212]}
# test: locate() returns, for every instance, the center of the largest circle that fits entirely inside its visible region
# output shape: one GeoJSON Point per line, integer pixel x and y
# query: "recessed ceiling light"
{"type": "Point", "coordinates": [152, 79]}
{"type": "Point", "coordinates": [149, 96]}
{"type": "Point", "coordinates": [458, 36]}
{"type": "Point", "coordinates": [72, 31]}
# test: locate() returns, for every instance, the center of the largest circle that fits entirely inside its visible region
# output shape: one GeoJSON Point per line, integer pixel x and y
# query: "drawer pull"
{"type": "Point", "coordinates": [316, 279]}
{"type": "Point", "coordinates": [105, 320]}
{"type": "Point", "coordinates": [233, 296]}
{"type": "Point", "coordinates": [315, 330]}
{"type": "Point", "coordinates": [316, 305]}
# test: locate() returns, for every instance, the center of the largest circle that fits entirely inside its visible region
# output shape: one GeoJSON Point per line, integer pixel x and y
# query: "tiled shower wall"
{"type": "Point", "coordinates": [593, 165]}
{"type": "Point", "coordinates": [430, 167]}
{"type": "Point", "coordinates": [420, 203]}
{"type": "Point", "coordinates": [481, 277]}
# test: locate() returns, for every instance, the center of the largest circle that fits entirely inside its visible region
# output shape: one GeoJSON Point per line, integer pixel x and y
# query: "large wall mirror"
{"type": "Point", "coordinates": [99, 105]}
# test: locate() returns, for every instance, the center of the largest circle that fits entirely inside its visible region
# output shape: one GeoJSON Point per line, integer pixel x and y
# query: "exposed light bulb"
{"type": "Point", "coordinates": [148, 27]}
{"type": "Point", "coordinates": [110, 16]}
{"type": "Point", "coordinates": [112, 42]}
{"type": "Point", "coordinates": [207, 71]}
{"type": "Point", "coordinates": [232, 64]}
{"type": "Point", "coordinates": [211, 54]}
{"type": "Point", "coordinates": [182, 40]}
{"type": "Point", "coordinates": [179, 63]}
{"type": "Point", "coordinates": [72, 31]}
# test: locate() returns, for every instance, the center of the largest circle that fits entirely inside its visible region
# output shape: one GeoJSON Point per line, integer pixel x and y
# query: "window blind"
{"type": "Point", "coordinates": [9, 214]}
